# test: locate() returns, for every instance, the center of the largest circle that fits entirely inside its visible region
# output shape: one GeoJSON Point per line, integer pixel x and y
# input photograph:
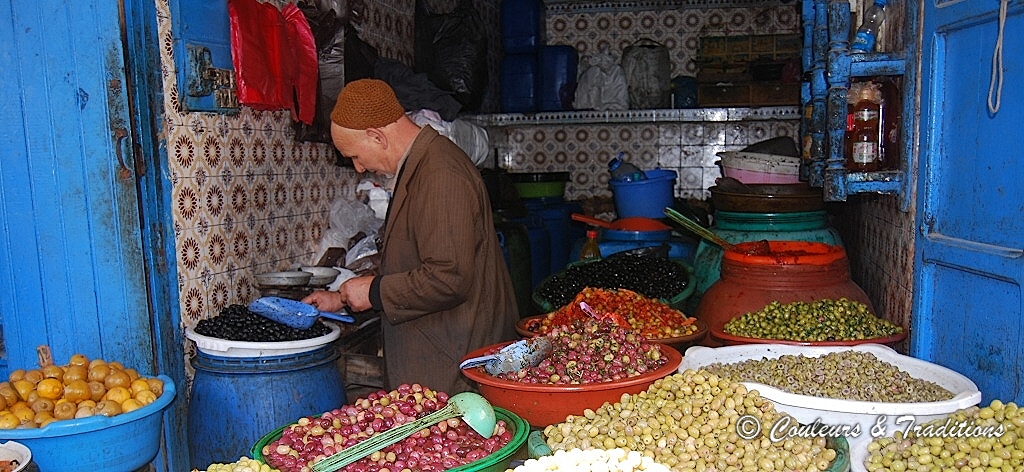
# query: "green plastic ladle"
{"type": "Point", "coordinates": [474, 409]}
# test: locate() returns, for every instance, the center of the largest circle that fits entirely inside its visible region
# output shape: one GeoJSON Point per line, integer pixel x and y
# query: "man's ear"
{"type": "Point", "coordinates": [377, 136]}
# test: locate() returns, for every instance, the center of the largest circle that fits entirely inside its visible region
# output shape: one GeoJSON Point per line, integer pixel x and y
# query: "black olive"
{"type": "Point", "coordinates": [648, 275]}
{"type": "Point", "coordinates": [237, 323]}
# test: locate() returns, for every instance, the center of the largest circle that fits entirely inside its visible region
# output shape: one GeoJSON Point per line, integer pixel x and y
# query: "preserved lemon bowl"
{"type": "Point", "coordinates": [121, 443]}
{"type": "Point", "coordinates": [546, 404]}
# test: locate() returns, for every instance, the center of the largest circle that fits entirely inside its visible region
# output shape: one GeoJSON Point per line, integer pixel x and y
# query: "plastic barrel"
{"type": "Point", "coordinates": [557, 74]}
{"type": "Point", "coordinates": [540, 248]}
{"type": "Point", "coordinates": [516, 246]}
{"type": "Point", "coordinates": [519, 83]}
{"type": "Point", "coordinates": [556, 213]}
{"type": "Point", "coordinates": [522, 26]}
{"type": "Point", "coordinates": [237, 400]}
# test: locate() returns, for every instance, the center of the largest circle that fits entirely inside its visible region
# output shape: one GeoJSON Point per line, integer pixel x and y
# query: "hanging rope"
{"type": "Point", "coordinates": [995, 87]}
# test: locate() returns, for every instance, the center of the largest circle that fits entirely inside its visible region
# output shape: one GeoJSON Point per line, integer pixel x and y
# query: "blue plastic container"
{"type": "Point", "coordinates": [237, 400]}
{"type": "Point", "coordinates": [120, 443]}
{"type": "Point", "coordinates": [557, 77]}
{"type": "Point", "coordinates": [562, 230]}
{"type": "Point", "coordinates": [519, 83]}
{"type": "Point", "coordinates": [647, 198]}
{"type": "Point", "coordinates": [540, 248]}
{"type": "Point", "coordinates": [522, 26]}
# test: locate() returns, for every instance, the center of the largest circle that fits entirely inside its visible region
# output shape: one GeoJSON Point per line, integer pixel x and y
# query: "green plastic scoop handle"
{"type": "Point", "coordinates": [474, 409]}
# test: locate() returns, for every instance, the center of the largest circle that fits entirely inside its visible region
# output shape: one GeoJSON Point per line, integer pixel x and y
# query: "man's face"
{"type": "Point", "coordinates": [364, 147]}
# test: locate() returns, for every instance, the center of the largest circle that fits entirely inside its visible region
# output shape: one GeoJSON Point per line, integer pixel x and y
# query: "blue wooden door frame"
{"type": "Point", "coordinates": [146, 82]}
{"type": "Point", "coordinates": [969, 262]}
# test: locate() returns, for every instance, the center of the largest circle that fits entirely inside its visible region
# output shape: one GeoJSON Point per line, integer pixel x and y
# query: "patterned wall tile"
{"type": "Point", "coordinates": [247, 198]}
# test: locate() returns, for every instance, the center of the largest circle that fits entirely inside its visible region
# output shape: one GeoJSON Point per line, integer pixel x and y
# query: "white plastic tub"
{"type": "Point", "coordinates": [758, 168]}
{"type": "Point", "coordinates": [228, 348]}
{"type": "Point", "coordinates": [807, 409]}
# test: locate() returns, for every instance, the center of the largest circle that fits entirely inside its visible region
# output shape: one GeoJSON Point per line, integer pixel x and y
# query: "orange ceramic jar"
{"type": "Point", "coordinates": [792, 271]}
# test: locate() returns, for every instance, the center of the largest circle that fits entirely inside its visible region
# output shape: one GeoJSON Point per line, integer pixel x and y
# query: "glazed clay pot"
{"type": "Point", "coordinates": [792, 271]}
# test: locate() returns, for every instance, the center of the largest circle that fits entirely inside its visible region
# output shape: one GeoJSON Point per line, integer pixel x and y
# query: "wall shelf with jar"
{"type": "Point", "coordinates": [832, 70]}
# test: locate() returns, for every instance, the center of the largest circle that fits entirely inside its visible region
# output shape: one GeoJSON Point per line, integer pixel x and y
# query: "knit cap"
{"type": "Point", "coordinates": [366, 103]}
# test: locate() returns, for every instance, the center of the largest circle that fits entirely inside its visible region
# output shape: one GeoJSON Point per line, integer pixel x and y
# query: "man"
{"type": "Point", "coordinates": [443, 288]}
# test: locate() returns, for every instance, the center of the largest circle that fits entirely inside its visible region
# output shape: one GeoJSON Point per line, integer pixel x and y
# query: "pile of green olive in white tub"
{"type": "Point", "coordinates": [866, 393]}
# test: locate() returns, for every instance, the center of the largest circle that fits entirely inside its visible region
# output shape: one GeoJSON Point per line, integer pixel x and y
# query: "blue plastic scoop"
{"type": "Point", "coordinates": [293, 312]}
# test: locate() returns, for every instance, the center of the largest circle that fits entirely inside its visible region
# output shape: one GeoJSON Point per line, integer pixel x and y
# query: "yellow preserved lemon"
{"type": "Point", "coordinates": [156, 386]}
{"type": "Point", "coordinates": [8, 420]}
{"type": "Point", "coordinates": [50, 388]}
{"type": "Point", "coordinates": [117, 394]}
{"type": "Point", "coordinates": [24, 388]}
{"type": "Point", "coordinates": [77, 390]}
{"type": "Point", "coordinates": [64, 410]}
{"type": "Point", "coordinates": [130, 404]}
{"type": "Point", "coordinates": [145, 397]}
{"type": "Point", "coordinates": [79, 359]}
{"type": "Point", "coordinates": [139, 385]}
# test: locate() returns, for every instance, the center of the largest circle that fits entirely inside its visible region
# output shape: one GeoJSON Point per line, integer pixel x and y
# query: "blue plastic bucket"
{"type": "Point", "coordinates": [647, 198]}
{"type": "Point", "coordinates": [120, 443]}
{"type": "Point", "coordinates": [237, 400]}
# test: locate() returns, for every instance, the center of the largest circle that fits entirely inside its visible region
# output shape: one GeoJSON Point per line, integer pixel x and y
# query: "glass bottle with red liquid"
{"type": "Point", "coordinates": [864, 128]}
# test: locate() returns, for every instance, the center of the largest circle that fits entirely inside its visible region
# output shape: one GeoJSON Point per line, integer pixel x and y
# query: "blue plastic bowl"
{"type": "Point", "coordinates": [121, 443]}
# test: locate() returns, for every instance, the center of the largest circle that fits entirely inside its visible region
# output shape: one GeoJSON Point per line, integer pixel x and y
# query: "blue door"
{"type": "Point", "coordinates": [83, 252]}
{"type": "Point", "coordinates": [970, 212]}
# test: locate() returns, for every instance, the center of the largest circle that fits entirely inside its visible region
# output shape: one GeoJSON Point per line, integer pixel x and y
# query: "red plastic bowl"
{"type": "Point", "coordinates": [733, 340]}
{"type": "Point", "coordinates": [544, 404]}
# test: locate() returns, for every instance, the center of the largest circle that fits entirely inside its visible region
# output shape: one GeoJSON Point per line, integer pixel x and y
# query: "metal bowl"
{"type": "Point", "coordinates": [767, 198]}
{"type": "Point", "coordinates": [292, 278]}
{"type": "Point", "coordinates": [321, 275]}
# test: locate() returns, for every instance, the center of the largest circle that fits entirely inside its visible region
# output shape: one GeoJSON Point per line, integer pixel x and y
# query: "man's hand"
{"type": "Point", "coordinates": [325, 301]}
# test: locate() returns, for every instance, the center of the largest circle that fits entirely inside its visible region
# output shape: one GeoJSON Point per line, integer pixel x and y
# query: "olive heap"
{"type": "Point", "coordinates": [445, 445]}
{"type": "Point", "coordinates": [973, 439]}
{"type": "Point", "coordinates": [821, 320]}
{"type": "Point", "coordinates": [592, 351]}
{"type": "Point", "coordinates": [845, 375]}
{"type": "Point", "coordinates": [692, 421]}
{"type": "Point", "coordinates": [237, 323]}
{"type": "Point", "coordinates": [649, 275]}
{"type": "Point", "coordinates": [243, 464]}
{"type": "Point", "coordinates": [611, 460]}
{"type": "Point", "coordinates": [647, 316]}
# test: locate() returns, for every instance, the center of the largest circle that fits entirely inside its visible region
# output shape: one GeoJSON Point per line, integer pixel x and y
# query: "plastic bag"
{"type": "Point", "coordinates": [467, 136]}
{"type": "Point", "coordinates": [274, 56]}
{"type": "Point", "coordinates": [452, 50]}
{"type": "Point", "coordinates": [648, 69]}
{"type": "Point", "coordinates": [342, 57]}
{"type": "Point", "coordinates": [602, 85]}
{"type": "Point", "coordinates": [347, 220]}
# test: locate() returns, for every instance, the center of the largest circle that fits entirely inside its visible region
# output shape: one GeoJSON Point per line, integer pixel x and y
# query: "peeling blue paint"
{"type": "Point", "coordinates": [82, 98]}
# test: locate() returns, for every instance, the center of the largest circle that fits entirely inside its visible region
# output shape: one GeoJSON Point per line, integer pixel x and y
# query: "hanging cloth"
{"type": "Point", "coordinates": [274, 57]}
